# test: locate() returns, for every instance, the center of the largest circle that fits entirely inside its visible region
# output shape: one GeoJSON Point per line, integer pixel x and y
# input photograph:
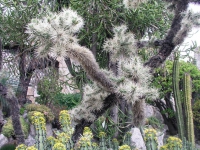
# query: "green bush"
{"type": "Point", "coordinates": [8, 130]}
{"type": "Point", "coordinates": [196, 113]}
{"type": "Point", "coordinates": [69, 100]}
{"type": "Point", "coordinates": [8, 147]}
{"type": "Point", "coordinates": [49, 116]}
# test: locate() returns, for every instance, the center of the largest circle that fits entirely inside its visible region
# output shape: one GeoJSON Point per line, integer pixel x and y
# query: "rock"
{"type": "Point", "coordinates": [3, 140]}
{"type": "Point", "coordinates": [158, 115]}
{"type": "Point", "coordinates": [137, 139]}
{"type": "Point", "coordinates": [49, 129]}
{"type": "Point", "coordinates": [30, 141]}
{"type": "Point", "coordinates": [151, 111]}
{"type": "Point", "coordinates": [32, 131]}
{"type": "Point", "coordinates": [160, 137]}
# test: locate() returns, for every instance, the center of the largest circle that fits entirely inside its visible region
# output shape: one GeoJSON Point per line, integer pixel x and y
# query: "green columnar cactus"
{"type": "Point", "coordinates": [59, 146]}
{"type": "Point", "coordinates": [24, 147]}
{"type": "Point", "coordinates": [115, 144]}
{"type": "Point", "coordinates": [150, 139]}
{"type": "Point", "coordinates": [102, 144]}
{"type": "Point", "coordinates": [21, 147]}
{"type": "Point", "coordinates": [65, 121]}
{"type": "Point", "coordinates": [85, 140]}
{"type": "Point", "coordinates": [124, 147]}
{"type": "Point", "coordinates": [39, 122]}
{"type": "Point", "coordinates": [176, 91]}
{"type": "Point", "coordinates": [174, 143]}
{"type": "Point", "coordinates": [188, 108]}
{"type": "Point", "coordinates": [50, 142]}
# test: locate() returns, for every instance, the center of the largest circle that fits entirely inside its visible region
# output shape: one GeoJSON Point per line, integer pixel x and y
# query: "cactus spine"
{"type": "Point", "coordinates": [178, 105]}
{"type": "Point", "coordinates": [150, 139]}
{"type": "Point", "coordinates": [188, 108]}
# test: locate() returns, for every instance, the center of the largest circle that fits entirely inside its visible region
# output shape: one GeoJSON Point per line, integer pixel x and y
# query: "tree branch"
{"type": "Point", "coordinates": [168, 46]}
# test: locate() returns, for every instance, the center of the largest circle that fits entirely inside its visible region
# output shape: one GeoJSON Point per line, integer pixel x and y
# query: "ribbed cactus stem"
{"type": "Point", "coordinates": [150, 139]}
{"type": "Point", "coordinates": [178, 105]}
{"type": "Point", "coordinates": [187, 86]}
{"type": "Point", "coordinates": [39, 122]}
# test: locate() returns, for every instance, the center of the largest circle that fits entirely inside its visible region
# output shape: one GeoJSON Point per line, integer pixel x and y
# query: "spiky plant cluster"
{"type": "Point", "coordinates": [55, 32]}
{"type": "Point", "coordinates": [92, 100]}
{"type": "Point", "coordinates": [135, 76]}
{"type": "Point", "coordinates": [133, 4]}
{"type": "Point", "coordinates": [121, 45]}
{"type": "Point", "coordinates": [189, 20]}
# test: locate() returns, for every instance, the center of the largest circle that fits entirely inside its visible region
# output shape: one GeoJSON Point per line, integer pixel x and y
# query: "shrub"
{"type": "Point", "coordinates": [8, 147]}
{"type": "Point", "coordinates": [31, 108]}
{"type": "Point", "coordinates": [8, 130]}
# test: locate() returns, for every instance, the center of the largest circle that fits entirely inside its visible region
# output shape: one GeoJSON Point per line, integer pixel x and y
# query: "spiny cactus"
{"type": "Point", "coordinates": [188, 108]}
{"type": "Point", "coordinates": [150, 139]}
{"type": "Point", "coordinates": [176, 91]}
{"type": "Point", "coordinates": [39, 122]}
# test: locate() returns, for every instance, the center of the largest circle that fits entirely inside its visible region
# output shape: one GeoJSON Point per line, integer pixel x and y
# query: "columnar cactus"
{"type": "Point", "coordinates": [174, 143]}
{"type": "Point", "coordinates": [115, 144]}
{"type": "Point", "coordinates": [102, 143]}
{"type": "Point", "coordinates": [188, 108]}
{"type": "Point", "coordinates": [150, 139]}
{"type": "Point", "coordinates": [124, 147]}
{"type": "Point", "coordinates": [39, 122]}
{"type": "Point", "coordinates": [59, 146]}
{"type": "Point", "coordinates": [176, 91]}
{"type": "Point", "coordinates": [85, 140]}
{"type": "Point", "coordinates": [24, 147]}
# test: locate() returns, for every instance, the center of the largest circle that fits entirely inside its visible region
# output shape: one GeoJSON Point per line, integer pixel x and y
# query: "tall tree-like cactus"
{"type": "Point", "coordinates": [176, 91]}
{"type": "Point", "coordinates": [188, 108]}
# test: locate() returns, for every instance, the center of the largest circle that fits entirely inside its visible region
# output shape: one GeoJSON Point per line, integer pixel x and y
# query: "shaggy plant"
{"type": "Point", "coordinates": [54, 35]}
{"type": "Point", "coordinates": [31, 108]}
{"type": "Point", "coordinates": [8, 130]}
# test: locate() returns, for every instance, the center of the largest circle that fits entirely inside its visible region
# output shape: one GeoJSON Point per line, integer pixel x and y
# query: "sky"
{"type": "Point", "coordinates": [194, 35]}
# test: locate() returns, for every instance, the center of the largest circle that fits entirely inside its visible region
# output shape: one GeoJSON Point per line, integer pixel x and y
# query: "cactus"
{"type": "Point", "coordinates": [188, 108]}
{"type": "Point", "coordinates": [150, 139]}
{"type": "Point", "coordinates": [85, 140]}
{"type": "Point", "coordinates": [124, 147]}
{"type": "Point", "coordinates": [173, 143]}
{"type": "Point", "coordinates": [115, 144]}
{"type": "Point", "coordinates": [102, 144]}
{"type": "Point", "coordinates": [39, 122]}
{"type": "Point", "coordinates": [178, 105]}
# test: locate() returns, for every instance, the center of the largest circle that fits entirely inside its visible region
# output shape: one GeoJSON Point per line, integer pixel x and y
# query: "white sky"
{"type": "Point", "coordinates": [194, 35]}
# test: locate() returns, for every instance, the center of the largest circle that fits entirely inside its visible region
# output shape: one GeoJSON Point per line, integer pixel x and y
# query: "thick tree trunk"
{"type": "Point", "coordinates": [14, 113]}
{"type": "Point", "coordinates": [16, 120]}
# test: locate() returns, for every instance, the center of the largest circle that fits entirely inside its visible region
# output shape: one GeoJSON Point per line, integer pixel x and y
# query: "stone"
{"type": "Point", "coordinates": [3, 140]}
{"type": "Point", "coordinates": [30, 141]}
{"type": "Point", "coordinates": [160, 138]}
{"type": "Point", "coordinates": [32, 131]}
{"type": "Point", "coordinates": [137, 139]}
{"type": "Point", "coordinates": [49, 129]}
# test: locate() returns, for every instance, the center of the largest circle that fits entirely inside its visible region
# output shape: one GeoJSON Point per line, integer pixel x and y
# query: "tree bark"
{"type": "Point", "coordinates": [14, 113]}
